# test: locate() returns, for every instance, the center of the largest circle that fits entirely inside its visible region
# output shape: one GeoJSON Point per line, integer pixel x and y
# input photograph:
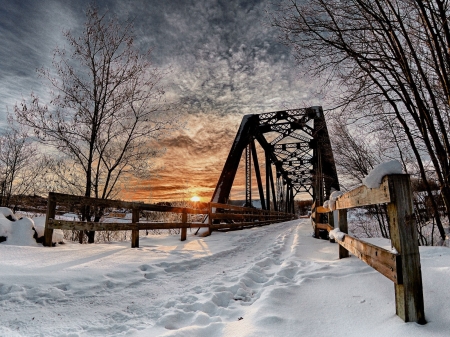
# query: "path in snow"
{"type": "Point", "coordinates": [165, 284]}
{"type": "Point", "coordinates": [274, 281]}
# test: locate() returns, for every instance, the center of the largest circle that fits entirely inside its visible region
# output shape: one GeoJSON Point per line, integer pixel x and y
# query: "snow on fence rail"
{"type": "Point", "coordinates": [403, 267]}
{"type": "Point", "coordinates": [219, 216]}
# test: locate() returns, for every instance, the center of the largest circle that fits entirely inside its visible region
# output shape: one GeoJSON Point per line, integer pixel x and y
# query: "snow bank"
{"type": "Point", "coordinates": [336, 234]}
{"type": "Point", "coordinates": [5, 226]}
{"type": "Point", "coordinates": [5, 223]}
{"type": "Point", "coordinates": [22, 232]}
{"type": "Point", "coordinates": [373, 179]}
{"type": "Point", "coordinates": [7, 213]}
{"type": "Point", "coordinates": [16, 232]}
{"type": "Point", "coordinates": [39, 226]}
{"type": "Point", "coordinates": [268, 281]}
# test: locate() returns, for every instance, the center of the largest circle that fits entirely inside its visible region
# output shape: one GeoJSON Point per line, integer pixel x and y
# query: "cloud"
{"type": "Point", "coordinates": [225, 62]}
{"type": "Point", "coordinates": [29, 31]}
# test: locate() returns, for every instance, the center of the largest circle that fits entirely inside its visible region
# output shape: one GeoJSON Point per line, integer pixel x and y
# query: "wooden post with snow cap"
{"type": "Point", "coordinates": [184, 221]}
{"type": "Point", "coordinates": [343, 227]}
{"type": "Point", "coordinates": [402, 266]}
{"type": "Point", "coordinates": [51, 212]}
{"type": "Point", "coordinates": [135, 232]}
{"type": "Point", "coordinates": [408, 292]}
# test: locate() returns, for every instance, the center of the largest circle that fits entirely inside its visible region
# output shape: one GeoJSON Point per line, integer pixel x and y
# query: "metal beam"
{"type": "Point", "coordinates": [248, 175]}
{"type": "Point", "coordinates": [297, 143]}
{"type": "Point", "coordinates": [258, 175]}
{"type": "Point", "coordinates": [268, 169]}
{"type": "Point", "coordinates": [247, 129]}
{"type": "Point", "coordinates": [274, 192]}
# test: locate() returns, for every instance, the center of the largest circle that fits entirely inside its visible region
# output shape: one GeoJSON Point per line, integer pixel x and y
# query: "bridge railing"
{"type": "Point", "coordinates": [401, 264]}
{"type": "Point", "coordinates": [230, 216]}
{"type": "Point", "coordinates": [219, 216]}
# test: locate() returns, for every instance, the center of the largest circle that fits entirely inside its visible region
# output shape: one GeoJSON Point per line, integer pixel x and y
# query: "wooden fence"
{"type": "Point", "coordinates": [219, 216]}
{"type": "Point", "coordinates": [403, 266]}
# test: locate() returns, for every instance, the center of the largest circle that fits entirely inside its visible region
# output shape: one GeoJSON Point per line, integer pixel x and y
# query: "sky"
{"type": "Point", "coordinates": [223, 60]}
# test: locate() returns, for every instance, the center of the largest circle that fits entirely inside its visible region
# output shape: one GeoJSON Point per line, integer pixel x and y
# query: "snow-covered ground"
{"type": "Point", "coordinates": [267, 281]}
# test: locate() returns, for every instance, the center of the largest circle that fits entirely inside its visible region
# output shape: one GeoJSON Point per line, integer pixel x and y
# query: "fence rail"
{"type": "Point", "coordinates": [403, 266]}
{"type": "Point", "coordinates": [219, 216]}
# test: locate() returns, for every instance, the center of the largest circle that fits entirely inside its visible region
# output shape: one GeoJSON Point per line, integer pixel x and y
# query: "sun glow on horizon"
{"type": "Point", "coordinates": [195, 198]}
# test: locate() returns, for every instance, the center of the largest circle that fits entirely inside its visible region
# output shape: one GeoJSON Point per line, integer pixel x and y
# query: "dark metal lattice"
{"type": "Point", "coordinates": [297, 144]}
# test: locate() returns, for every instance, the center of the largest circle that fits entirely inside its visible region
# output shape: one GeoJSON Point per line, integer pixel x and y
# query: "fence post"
{"type": "Point", "coordinates": [209, 218]}
{"type": "Point", "coordinates": [51, 212]}
{"type": "Point", "coordinates": [330, 218]}
{"type": "Point", "coordinates": [315, 218]}
{"type": "Point", "coordinates": [343, 227]}
{"type": "Point", "coordinates": [409, 293]}
{"type": "Point", "coordinates": [135, 232]}
{"type": "Point", "coordinates": [184, 221]}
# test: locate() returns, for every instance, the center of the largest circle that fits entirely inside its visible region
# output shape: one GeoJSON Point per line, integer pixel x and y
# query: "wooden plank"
{"type": "Point", "coordinates": [158, 208]}
{"type": "Point", "coordinates": [232, 216]}
{"type": "Point", "coordinates": [343, 227]}
{"type": "Point", "coordinates": [324, 226]}
{"type": "Point", "coordinates": [51, 212]}
{"type": "Point", "coordinates": [196, 211]}
{"type": "Point", "coordinates": [210, 219]}
{"type": "Point", "coordinates": [408, 294]}
{"type": "Point", "coordinates": [199, 224]}
{"type": "Point", "coordinates": [109, 226]}
{"type": "Point", "coordinates": [315, 222]}
{"type": "Point", "coordinates": [170, 225]}
{"type": "Point", "coordinates": [135, 232]}
{"type": "Point", "coordinates": [322, 210]}
{"type": "Point", "coordinates": [232, 207]}
{"type": "Point", "coordinates": [92, 226]}
{"type": "Point", "coordinates": [378, 258]}
{"type": "Point", "coordinates": [240, 224]}
{"type": "Point", "coordinates": [243, 209]}
{"type": "Point", "coordinates": [363, 196]}
{"type": "Point", "coordinates": [184, 229]}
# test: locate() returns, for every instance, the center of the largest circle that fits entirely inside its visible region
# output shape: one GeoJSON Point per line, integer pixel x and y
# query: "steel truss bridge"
{"type": "Point", "coordinates": [298, 158]}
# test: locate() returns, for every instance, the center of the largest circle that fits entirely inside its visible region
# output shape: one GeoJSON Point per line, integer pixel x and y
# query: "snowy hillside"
{"type": "Point", "coordinates": [268, 281]}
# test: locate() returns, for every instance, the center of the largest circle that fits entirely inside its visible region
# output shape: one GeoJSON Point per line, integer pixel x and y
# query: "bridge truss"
{"type": "Point", "coordinates": [296, 146]}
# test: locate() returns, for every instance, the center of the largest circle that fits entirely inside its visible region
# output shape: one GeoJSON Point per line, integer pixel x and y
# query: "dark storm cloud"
{"type": "Point", "coordinates": [226, 59]}
{"type": "Point", "coordinates": [23, 48]}
{"type": "Point", "coordinates": [224, 56]}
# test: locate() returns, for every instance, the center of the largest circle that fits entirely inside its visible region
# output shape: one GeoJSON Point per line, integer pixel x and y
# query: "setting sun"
{"type": "Point", "coordinates": [195, 198]}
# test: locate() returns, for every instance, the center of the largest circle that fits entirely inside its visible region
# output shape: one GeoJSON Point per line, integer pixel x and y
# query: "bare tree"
{"type": "Point", "coordinates": [105, 106]}
{"type": "Point", "coordinates": [18, 162]}
{"type": "Point", "coordinates": [383, 58]}
{"type": "Point", "coordinates": [354, 156]}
